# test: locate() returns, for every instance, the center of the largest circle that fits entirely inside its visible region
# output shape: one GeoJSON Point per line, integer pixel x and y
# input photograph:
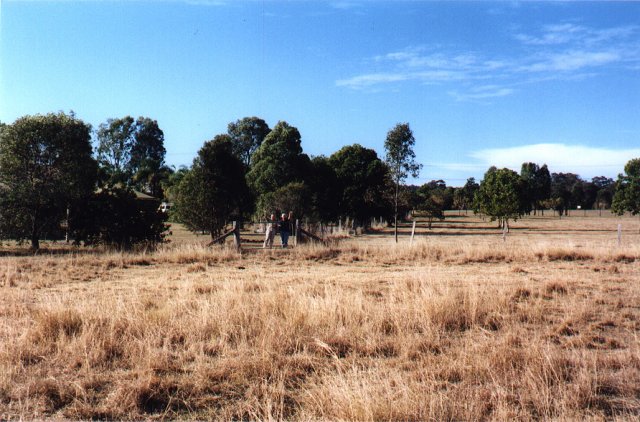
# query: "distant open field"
{"type": "Point", "coordinates": [457, 325]}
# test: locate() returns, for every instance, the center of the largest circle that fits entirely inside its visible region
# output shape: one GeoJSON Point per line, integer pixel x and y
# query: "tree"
{"type": "Point", "coordinates": [247, 135]}
{"type": "Point", "coordinates": [278, 161]}
{"type": "Point", "coordinates": [500, 196]}
{"type": "Point", "coordinates": [563, 194]}
{"type": "Point", "coordinates": [433, 199]}
{"type": "Point", "coordinates": [536, 186]}
{"type": "Point", "coordinates": [627, 195]}
{"type": "Point", "coordinates": [362, 179]}
{"type": "Point", "coordinates": [117, 216]}
{"type": "Point", "coordinates": [131, 153]}
{"type": "Point", "coordinates": [325, 191]}
{"type": "Point", "coordinates": [401, 160]}
{"type": "Point", "coordinates": [295, 197]}
{"type": "Point", "coordinates": [605, 189]}
{"type": "Point", "coordinates": [214, 191]}
{"type": "Point", "coordinates": [469, 190]}
{"type": "Point", "coordinates": [46, 173]}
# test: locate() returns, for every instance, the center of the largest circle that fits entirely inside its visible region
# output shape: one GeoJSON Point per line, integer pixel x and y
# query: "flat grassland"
{"type": "Point", "coordinates": [457, 325]}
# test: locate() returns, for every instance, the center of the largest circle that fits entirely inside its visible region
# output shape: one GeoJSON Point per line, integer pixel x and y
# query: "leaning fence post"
{"type": "Point", "coordinates": [236, 234]}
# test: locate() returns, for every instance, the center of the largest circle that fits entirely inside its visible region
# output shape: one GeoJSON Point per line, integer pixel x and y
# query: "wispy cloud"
{"type": "Point", "coordinates": [584, 160]}
{"type": "Point", "coordinates": [483, 92]}
{"type": "Point", "coordinates": [561, 51]}
{"type": "Point", "coordinates": [412, 64]}
{"type": "Point", "coordinates": [570, 33]}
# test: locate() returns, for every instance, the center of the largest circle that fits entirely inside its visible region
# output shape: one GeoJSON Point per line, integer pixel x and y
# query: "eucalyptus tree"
{"type": "Point", "coordinates": [401, 161]}
{"type": "Point", "coordinates": [46, 173]}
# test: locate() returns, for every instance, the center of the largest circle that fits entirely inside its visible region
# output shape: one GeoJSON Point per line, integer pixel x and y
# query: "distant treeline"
{"type": "Point", "coordinates": [59, 178]}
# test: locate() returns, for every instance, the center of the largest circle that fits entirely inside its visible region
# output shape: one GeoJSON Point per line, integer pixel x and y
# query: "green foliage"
{"type": "Point", "coordinates": [627, 195]}
{"type": "Point", "coordinates": [434, 198]}
{"type": "Point", "coordinates": [247, 135]}
{"type": "Point", "coordinates": [323, 184]}
{"type": "Point", "coordinates": [46, 168]}
{"type": "Point", "coordinates": [171, 183]}
{"type": "Point", "coordinates": [401, 160]}
{"type": "Point", "coordinates": [463, 197]}
{"type": "Point", "coordinates": [536, 185]}
{"type": "Point", "coordinates": [566, 191]}
{"type": "Point", "coordinates": [500, 195]}
{"type": "Point", "coordinates": [131, 153]}
{"type": "Point", "coordinates": [362, 182]}
{"type": "Point", "coordinates": [214, 191]}
{"type": "Point", "coordinates": [278, 161]}
{"type": "Point", "coordinates": [295, 197]}
{"type": "Point", "coordinates": [400, 156]}
{"type": "Point", "coordinates": [117, 217]}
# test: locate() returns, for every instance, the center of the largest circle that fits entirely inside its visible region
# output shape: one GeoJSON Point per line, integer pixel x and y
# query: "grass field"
{"type": "Point", "coordinates": [457, 325]}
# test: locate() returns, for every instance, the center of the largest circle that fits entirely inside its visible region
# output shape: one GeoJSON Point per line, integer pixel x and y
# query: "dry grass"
{"type": "Point", "coordinates": [449, 328]}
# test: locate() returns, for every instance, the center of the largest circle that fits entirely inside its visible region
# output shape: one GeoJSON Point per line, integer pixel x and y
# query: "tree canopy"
{"type": "Point", "coordinates": [500, 195]}
{"type": "Point", "coordinates": [214, 191]}
{"type": "Point", "coordinates": [278, 161]}
{"type": "Point", "coordinates": [247, 135]}
{"type": "Point", "coordinates": [131, 153]}
{"type": "Point", "coordinates": [401, 160]}
{"type": "Point", "coordinates": [627, 196]}
{"type": "Point", "coordinates": [46, 169]}
{"type": "Point", "coordinates": [362, 179]}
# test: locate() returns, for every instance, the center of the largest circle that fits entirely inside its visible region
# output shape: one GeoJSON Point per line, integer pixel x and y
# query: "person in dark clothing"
{"type": "Point", "coordinates": [284, 226]}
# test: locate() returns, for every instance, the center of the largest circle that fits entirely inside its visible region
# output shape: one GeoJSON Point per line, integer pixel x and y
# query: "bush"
{"type": "Point", "coordinates": [118, 217]}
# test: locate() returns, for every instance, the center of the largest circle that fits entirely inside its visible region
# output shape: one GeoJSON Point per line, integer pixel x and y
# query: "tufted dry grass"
{"type": "Point", "coordinates": [441, 329]}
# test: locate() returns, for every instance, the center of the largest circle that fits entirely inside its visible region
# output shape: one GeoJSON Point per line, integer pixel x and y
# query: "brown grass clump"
{"type": "Point", "coordinates": [434, 330]}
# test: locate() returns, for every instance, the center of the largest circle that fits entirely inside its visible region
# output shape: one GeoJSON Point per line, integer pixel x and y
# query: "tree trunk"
{"type": "Point", "coordinates": [395, 214]}
{"type": "Point", "coordinates": [35, 236]}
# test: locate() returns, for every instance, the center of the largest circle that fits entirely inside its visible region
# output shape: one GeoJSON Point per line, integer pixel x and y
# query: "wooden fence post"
{"type": "Point", "coordinates": [619, 234]}
{"type": "Point", "coordinates": [413, 231]}
{"type": "Point", "coordinates": [296, 233]}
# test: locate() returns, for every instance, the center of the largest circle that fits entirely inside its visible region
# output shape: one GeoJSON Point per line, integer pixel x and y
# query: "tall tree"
{"type": "Point", "coordinates": [131, 153]}
{"type": "Point", "coordinates": [116, 138]}
{"type": "Point", "coordinates": [361, 182]}
{"type": "Point", "coordinates": [401, 160]}
{"type": "Point", "coordinates": [278, 161]}
{"type": "Point", "coordinates": [627, 196]}
{"type": "Point", "coordinates": [563, 194]}
{"type": "Point", "coordinates": [536, 185]}
{"type": "Point", "coordinates": [469, 190]}
{"type": "Point", "coordinates": [433, 200]}
{"type": "Point", "coordinates": [323, 183]}
{"type": "Point", "coordinates": [214, 191]}
{"type": "Point", "coordinates": [605, 188]}
{"type": "Point", "coordinates": [247, 135]}
{"type": "Point", "coordinates": [46, 172]}
{"type": "Point", "coordinates": [500, 196]}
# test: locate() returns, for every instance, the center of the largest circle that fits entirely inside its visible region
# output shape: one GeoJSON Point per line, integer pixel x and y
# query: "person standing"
{"type": "Point", "coordinates": [285, 229]}
{"type": "Point", "coordinates": [270, 232]}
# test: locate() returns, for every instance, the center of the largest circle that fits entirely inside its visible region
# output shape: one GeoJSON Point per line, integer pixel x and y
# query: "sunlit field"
{"type": "Point", "coordinates": [462, 323]}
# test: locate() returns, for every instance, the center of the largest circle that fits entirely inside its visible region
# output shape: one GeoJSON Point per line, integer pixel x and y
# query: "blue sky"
{"type": "Point", "coordinates": [480, 83]}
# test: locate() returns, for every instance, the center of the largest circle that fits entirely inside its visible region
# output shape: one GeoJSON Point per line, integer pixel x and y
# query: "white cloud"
{"type": "Point", "coordinates": [573, 60]}
{"type": "Point", "coordinates": [562, 51]}
{"type": "Point", "coordinates": [583, 160]}
{"type": "Point", "coordinates": [482, 93]}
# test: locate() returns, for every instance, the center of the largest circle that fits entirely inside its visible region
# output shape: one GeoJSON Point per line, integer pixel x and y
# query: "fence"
{"type": "Point", "coordinates": [299, 233]}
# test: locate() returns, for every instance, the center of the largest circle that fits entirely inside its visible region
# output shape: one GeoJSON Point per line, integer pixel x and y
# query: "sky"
{"type": "Point", "coordinates": [480, 83]}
